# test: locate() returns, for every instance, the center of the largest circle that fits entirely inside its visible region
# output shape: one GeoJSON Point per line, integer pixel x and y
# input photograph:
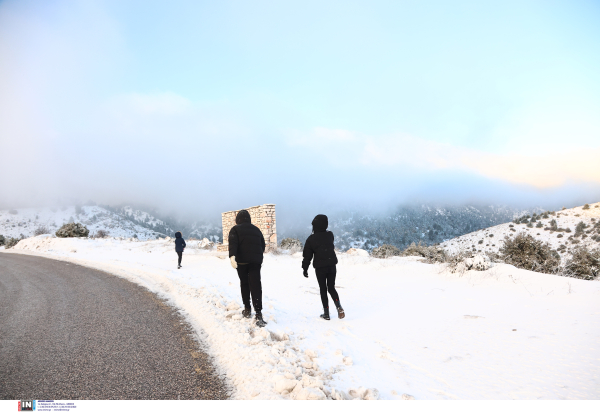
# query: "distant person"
{"type": "Point", "coordinates": [179, 246]}
{"type": "Point", "coordinates": [320, 246]}
{"type": "Point", "coordinates": [246, 249]}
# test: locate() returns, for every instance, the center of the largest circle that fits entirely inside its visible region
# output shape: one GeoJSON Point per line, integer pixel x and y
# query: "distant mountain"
{"type": "Point", "coordinates": [405, 225]}
{"type": "Point", "coordinates": [408, 224]}
{"type": "Point", "coordinates": [124, 221]}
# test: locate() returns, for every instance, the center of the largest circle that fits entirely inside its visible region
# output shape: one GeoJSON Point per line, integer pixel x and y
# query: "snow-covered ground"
{"type": "Point", "coordinates": [411, 328]}
{"type": "Point", "coordinates": [491, 239]}
{"type": "Point", "coordinates": [24, 222]}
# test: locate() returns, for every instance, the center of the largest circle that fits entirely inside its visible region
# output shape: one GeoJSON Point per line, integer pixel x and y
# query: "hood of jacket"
{"type": "Point", "coordinates": [320, 223]}
{"type": "Point", "coordinates": [243, 216]}
{"type": "Point", "coordinates": [177, 235]}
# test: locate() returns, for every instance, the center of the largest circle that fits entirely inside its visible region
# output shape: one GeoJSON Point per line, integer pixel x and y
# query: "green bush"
{"type": "Point", "coordinates": [11, 242]}
{"type": "Point", "coordinates": [72, 230]}
{"type": "Point", "coordinates": [583, 264]}
{"type": "Point", "coordinates": [291, 244]}
{"type": "Point", "coordinates": [2, 240]}
{"type": "Point", "coordinates": [525, 252]}
{"type": "Point", "coordinates": [579, 229]}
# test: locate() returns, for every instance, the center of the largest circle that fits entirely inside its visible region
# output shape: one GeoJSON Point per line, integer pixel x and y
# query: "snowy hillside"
{"type": "Point", "coordinates": [408, 224]}
{"type": "Point", "coordinates": [24, 222]}
{"type": "Point", "coordinates": [411, 329]}
{"type": "Point", "coordinates": [559, 229]}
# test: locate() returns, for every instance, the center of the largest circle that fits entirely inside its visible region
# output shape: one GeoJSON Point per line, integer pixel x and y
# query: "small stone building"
{"type": "Point", "coordinates": [262, 216]}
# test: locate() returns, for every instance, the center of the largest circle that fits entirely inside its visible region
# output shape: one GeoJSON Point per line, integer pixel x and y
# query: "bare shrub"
{"type": "Point", "coordinates": [72, 230]}
{"type": "Point", "coordinates": [101, 234]}
{"type": "Point", "coordinates": [455, 262]}
{"type": "Point", "coordinates": [525, 252]}
{"type": "Point", "coordinates": [2, 240]}
{"type": "Point", "coordinates": [583, 264]}
{"type": "Point", "coordinates": [385, 251]}
{"type": "Point", "coordinates": [13, 211]}
{"type": "Point", "coordinates": [41, 230]}
{"type": "Point", "coordinates": [586, 206]}
{"type": "Point", "coordinates": [432, 254]}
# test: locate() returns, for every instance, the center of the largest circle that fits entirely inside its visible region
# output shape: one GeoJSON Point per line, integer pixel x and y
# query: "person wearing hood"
{"type": "Point", "coordinates": [179, 246]}
{"type": "Point", "coordinates": [319, 246]}
{"type": "Point", "coordinates": [246, 249]}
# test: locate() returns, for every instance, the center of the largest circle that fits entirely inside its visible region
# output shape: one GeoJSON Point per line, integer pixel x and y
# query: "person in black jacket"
{"type": "Point", "coordinates": [246, 248]}
{"type": "Point", "coordinates": [320, 246]}
{"type": "Point", "coordinates": [179, 246]}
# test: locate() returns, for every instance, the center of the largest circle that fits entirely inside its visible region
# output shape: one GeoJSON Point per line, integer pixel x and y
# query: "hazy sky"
{"type": "Point", "coordinates": [211, 106]}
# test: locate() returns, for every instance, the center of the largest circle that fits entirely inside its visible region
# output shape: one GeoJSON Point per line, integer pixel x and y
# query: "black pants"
{"type": "Point", "coordinates": [179, 255]}
{"type": "Point", "coordinates": [250, 284]}
{"type": "Point", "coordinates": [326, 278]}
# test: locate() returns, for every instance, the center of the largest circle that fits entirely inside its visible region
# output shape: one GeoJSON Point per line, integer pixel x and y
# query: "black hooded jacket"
{"type": "Point", "coordinates": [246, 241]}
{"type": "Point", "coordinates": [320, 245]}
{"type": "Point", "coordinates": [179, 242]}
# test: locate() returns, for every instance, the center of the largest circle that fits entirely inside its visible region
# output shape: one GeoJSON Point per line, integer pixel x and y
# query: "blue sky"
{"type": "Point", "coordinates": [351, 102]}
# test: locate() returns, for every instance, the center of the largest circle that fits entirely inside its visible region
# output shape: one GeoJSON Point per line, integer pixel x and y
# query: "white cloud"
{"type": "Point", "coordinates": [548, 170]}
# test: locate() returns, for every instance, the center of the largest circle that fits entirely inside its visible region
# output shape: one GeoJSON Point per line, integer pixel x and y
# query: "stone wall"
{"type": "Point", "coordinates": [262, 216]}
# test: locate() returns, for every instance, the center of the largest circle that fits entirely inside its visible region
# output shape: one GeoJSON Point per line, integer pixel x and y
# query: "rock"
{"type": "Point", "coordinates": [407, 397]}
{"type": "Point", "coordinates": [347, 361]}
{"type": "Point", "coordinates": [310, 353]}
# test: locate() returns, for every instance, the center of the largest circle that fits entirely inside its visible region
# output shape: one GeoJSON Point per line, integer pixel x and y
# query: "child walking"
{"type": "Point", "coordinates": [320, 246]}
{"type": "Point", "coordinates": [179, 246]}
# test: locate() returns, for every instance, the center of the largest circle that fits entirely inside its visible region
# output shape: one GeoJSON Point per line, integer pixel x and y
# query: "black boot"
{"type": "Point", "coordinates": [340, 310]}
{"type": "Point", "coordinates": [247, 313]}
{"type": "Point", "coordinates": [325, 314]}
{"type": "Point", "coordinates": [260, 322]}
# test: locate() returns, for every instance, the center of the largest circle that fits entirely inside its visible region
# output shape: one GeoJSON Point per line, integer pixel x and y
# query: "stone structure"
{"type": "Point", "coordinates": [262, 216]}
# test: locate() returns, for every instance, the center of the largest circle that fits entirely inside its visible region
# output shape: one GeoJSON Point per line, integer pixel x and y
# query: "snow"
{"type": "Point", "coordinates": [412, 330]}
{"type": "Point", "coordinates": [492, 238]}
{"type": "Point", "coordinates": [26, 221]}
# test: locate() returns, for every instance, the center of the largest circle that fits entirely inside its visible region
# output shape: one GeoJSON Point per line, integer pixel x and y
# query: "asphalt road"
{"type": "Point", "coordinates": [69, 332]}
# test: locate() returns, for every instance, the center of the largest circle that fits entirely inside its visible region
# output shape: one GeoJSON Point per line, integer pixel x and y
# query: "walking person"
{"type": "Point", "coordinates": [179, 246]}
{"type": "Point", "coordinates": [320, 246]}
{"type": "Point", "coordinates": [246, 249]}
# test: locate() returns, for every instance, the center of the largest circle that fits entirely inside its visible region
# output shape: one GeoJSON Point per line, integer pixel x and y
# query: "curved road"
{"type": "Point", "coordinates": [69, 332]}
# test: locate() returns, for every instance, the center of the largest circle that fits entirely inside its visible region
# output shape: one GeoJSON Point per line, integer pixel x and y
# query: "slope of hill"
{"type": "Point", "coordinates": [408, 224]}
{"type": "Point", "coordinates": [25, 222]}
{"type": "Point", "coordinates": [562, 230]}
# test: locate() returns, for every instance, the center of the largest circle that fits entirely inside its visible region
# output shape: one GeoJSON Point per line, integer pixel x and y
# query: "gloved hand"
{"type": "Point", "coordinates": [233, 262]}
{"type": "Point", "coordinates": [306, 273]}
